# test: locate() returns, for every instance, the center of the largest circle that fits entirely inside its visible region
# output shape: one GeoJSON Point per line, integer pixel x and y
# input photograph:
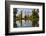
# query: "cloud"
{"type": "Point", "coordinates": [25, 11]}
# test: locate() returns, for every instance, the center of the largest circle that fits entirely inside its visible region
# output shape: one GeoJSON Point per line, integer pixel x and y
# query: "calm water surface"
{"type": "Point", "coordinates": [24, 24]}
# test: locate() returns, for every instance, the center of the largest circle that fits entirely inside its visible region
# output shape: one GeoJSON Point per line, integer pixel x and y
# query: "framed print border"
{"type": "Point", "coordinates": [7, 13]}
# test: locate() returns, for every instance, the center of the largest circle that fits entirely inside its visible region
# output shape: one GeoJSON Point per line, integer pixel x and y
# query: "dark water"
{"type": "Point", "coordinates": [24, 24]}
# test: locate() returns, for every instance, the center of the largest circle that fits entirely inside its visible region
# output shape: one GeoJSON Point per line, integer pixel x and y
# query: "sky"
{"type": "Point", "coordinates": [26, 11]}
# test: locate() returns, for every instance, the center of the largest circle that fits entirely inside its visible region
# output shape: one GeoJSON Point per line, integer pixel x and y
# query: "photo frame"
{"type": "Point", "coordinates": [24, 17]}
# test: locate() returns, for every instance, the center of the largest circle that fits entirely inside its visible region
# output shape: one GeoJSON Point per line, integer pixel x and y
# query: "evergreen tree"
{"type": "Point", "coordinates": [34, 18]}
{"type": "Point", "coordinates": [14, 19]}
